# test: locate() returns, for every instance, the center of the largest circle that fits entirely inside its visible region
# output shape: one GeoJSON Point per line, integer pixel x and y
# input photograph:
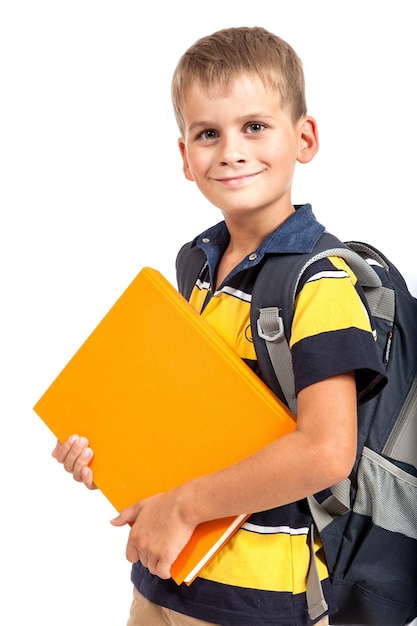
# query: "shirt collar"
{"type": "Point", "coordinates": [298, 234]}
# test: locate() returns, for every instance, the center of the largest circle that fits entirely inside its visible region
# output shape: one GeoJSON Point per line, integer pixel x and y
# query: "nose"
{"type": "Point", "coordinates": [232, 150]}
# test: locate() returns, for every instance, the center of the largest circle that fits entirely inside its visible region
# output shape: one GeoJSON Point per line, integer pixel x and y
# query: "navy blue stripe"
{"type": "Point", "coordinates": [336, 352]}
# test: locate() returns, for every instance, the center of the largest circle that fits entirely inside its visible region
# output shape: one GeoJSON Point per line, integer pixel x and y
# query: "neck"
{"type": "Point", "coordinates": [248, 234]}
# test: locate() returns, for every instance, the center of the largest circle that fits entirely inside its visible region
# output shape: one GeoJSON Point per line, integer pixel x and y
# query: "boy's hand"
{"type": "Point", "coordinates": [75, 455]}
{"type": "Point", "coordinates": [158, 532]}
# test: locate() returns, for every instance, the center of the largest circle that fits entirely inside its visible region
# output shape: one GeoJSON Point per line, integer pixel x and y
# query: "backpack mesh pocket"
{"type": "Point", "coordinates": [387, 494]}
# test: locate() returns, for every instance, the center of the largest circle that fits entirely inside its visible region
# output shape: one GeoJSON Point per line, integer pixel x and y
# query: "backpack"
{"type": "Point", "coordinates": [367, 523]}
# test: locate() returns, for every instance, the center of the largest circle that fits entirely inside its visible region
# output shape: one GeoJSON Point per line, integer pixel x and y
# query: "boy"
{"type": "Point", "coordinates": [239, 101]}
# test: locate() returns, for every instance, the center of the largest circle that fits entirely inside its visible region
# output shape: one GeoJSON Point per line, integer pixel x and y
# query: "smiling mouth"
{"type": "Point", "coordinates": [237, 180]}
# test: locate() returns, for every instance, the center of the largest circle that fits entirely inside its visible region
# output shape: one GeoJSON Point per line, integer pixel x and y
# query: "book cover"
{"type": "Point", "coordinates": [162, 399]}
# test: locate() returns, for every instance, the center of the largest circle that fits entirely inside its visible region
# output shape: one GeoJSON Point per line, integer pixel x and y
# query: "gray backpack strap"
{"type": "Point", "coordinates": [338, 503]}
{"type": "Point", "coordinates": [316, 601]}
{"type": "Point", "coordinates": [381, 300]}
{"type": "Point", "coordinates": [270, 327]}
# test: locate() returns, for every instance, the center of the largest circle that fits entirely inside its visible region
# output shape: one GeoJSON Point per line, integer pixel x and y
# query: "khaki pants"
{"type": "Point", "coordinates": [144, 613]}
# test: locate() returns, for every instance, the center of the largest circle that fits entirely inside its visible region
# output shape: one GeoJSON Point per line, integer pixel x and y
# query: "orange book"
{"type": "Point", "coordinates": [162, 399]}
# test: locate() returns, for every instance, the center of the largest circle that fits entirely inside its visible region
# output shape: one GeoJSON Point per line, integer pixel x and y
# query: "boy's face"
{"type": "Point", "coordinates": [241, 147]}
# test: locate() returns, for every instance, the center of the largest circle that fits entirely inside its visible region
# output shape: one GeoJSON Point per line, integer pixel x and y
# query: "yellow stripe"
{"type": "Point", "coordinates": [315, 310]}
{"type": "Point", "coordinates": [340, 264]}
{"type": "Point", "coordinates": [198, 297]}
{"type": "Point", "coordinates": [230, 317]}
{"type": "Point", "coordinates": [277, 562]}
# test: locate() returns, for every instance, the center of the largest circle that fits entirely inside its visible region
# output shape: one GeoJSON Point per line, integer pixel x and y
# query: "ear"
{"type": "Point", "coordinates": [309, 140]}
{"type": "Point", "coordinates": [186, 167]}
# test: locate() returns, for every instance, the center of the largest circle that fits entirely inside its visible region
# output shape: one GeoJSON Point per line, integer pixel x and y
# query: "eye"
{"type": "Point", "coordinates": [208, 135]}
{"type": "Point", "coordinates": [255, 128]}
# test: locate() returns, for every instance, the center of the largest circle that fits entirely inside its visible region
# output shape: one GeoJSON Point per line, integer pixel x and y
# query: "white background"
{"type": "Point", "coordinates": [91, 180]}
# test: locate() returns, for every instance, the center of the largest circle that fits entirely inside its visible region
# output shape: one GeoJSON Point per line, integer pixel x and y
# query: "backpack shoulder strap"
{"type": "Point", "coordinates": [189, 262]}
{"type": "Point", "coordinates": [273, 307]}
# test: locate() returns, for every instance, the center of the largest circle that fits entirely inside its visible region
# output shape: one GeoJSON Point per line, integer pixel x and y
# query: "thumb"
{"type": "Point", "coordinates": [119, 521]}
{"type": "Point", "coordinates": [127, 516]}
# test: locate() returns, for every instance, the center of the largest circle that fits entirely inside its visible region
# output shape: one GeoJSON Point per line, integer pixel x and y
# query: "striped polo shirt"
{"type": "Point", "coordinates": [259, 577]}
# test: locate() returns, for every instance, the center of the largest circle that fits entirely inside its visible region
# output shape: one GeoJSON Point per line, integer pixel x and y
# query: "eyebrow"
{"type": "Point", "coordinates": [197, 125]}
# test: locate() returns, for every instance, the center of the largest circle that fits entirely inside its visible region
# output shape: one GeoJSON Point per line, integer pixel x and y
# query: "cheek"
{"type": "Point", "coordinates": [283, 156]}
{"type": "Point", "coordinates": [198, 164]}
{"type": "Point", "coordinates": [280, 149]}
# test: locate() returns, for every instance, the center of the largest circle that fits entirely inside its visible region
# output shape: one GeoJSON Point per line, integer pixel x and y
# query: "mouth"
{"type": "Point", "coordinates": [233, 181]}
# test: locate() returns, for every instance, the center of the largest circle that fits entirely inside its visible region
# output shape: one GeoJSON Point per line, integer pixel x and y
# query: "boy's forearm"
{"type": "Point", "coordinates": [315, 456]}
{"type": "Point", "coordinates": [268, 479]}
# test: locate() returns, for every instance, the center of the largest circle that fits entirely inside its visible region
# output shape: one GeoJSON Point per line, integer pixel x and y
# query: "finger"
{"type": "Point", "coordinates": [61, 450]}
{"type": "Point", "coordinates": [133, 552]}
{"type": "Point", "coordinates": [132, 556]}
{"type": "Point", "coordinates": [156, 565]}
{"type": "Point", "coordinates": [87, 478]}
{"type": "Point", "coordinates": [81, 462]}
{"type": "Point", "coordinates": [162, 569]}
{"type": "Point", "coordinates": [74, 454]}
{"type": "Point", "coordinates": [152, 565]}
{"type": "Point", "coordinates": [68, 452]}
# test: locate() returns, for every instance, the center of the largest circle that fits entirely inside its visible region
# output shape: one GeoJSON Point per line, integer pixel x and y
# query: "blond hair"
{"type": "Point", "coordinates": [214, 61]}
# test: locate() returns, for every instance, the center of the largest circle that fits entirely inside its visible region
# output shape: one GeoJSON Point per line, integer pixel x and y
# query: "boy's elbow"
{"type": "Point", "coordinates": [337, 464]}
{"type": "Point", "coordinates": [340, 471]}
{"type": "Point", "coordinates": [343, 469]}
